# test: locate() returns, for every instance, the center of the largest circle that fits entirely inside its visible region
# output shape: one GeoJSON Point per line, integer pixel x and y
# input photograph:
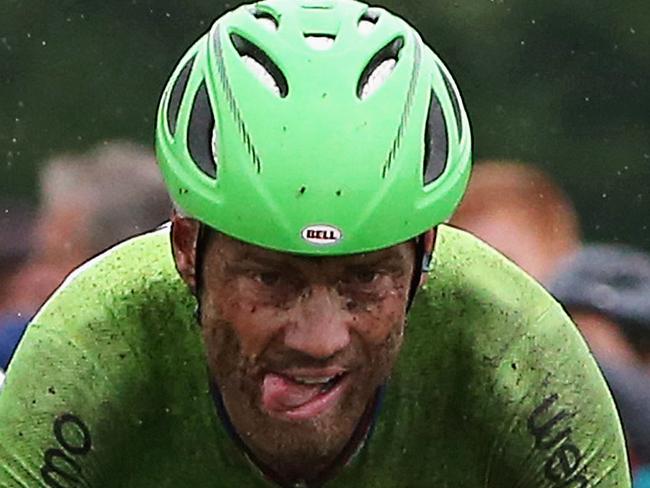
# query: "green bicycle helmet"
{"type": "Point", "coordinates": [318, 127]}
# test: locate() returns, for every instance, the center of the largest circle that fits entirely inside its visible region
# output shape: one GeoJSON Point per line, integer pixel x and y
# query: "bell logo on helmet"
{"type": "Point", "coordinates": [321, 234]}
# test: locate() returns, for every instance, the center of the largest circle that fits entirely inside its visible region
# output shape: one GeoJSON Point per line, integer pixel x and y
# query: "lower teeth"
{"type": "Point", "coordinates": [329, 385]}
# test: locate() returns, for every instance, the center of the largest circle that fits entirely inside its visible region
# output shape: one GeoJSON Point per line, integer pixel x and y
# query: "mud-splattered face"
{"type": "Point", "coordinates": [298, 345]}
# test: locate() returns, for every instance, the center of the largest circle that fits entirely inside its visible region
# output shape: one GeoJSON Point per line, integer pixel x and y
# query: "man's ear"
{"type": "Point", "coordinates": [429, 240]}
{"type": "Point", "coordinates": [185, 235]}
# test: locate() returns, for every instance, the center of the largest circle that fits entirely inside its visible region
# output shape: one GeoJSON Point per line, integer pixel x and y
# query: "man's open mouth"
{"type": "Point", "coordinates": [302, 395]}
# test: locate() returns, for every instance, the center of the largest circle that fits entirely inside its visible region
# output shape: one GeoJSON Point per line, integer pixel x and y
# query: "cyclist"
{"type": "Point", "coordinates": [313, 150]}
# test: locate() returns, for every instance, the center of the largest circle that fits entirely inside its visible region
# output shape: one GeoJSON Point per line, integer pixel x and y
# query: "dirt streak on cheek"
{"type": "Point", "coordinates": [254, 322]}
{"type": "Point", "coordinates": [376, 323]}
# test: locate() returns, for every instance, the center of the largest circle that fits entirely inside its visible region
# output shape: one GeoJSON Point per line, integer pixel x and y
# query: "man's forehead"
{"type": "Point", "coordinates": [237, 249]}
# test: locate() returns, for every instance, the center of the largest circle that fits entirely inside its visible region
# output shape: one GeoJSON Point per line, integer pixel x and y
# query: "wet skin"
{"type": "Point", "coordinates": [270, 317]}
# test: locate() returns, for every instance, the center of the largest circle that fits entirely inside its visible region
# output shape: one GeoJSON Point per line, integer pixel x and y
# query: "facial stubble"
{"type": "Point", "coordinates": [297, 449]}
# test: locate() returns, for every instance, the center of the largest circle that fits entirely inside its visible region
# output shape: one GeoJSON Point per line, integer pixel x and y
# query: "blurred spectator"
{"type": "Point", "coordinates": [521, 212]}
{"type": "Point", "coordinates": [88, 203]}
{"type": "Point", "coordinates": [630, 386]}
{"type": "Point", "coordinates": [606, 288]}
{"type": "Point", "coordinates": [16, 226]}
{"type": "Point", "coordinates": [642, 479]}
{"type": "Point", "coordinates": [16, 222]}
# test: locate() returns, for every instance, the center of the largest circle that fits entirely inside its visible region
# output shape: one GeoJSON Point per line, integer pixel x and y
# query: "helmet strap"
{"type": "Point", "coordinates": [201, 244]}
{"type": "Point", "coordinates": [422, 266]}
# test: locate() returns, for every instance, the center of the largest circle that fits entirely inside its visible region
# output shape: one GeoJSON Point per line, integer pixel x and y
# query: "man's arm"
{"type": "Point", "coordinates": [48, 411]}
{"type": "Point", "coordinates": [545, 408]}
{"type": "Point", "coordinates": [83, 388]}
{"type": "Point", "coordinates": [530, 405]}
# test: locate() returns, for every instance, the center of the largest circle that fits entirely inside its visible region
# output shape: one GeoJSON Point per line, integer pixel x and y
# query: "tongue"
{"type": "Point", "coordinates": [279, 393]}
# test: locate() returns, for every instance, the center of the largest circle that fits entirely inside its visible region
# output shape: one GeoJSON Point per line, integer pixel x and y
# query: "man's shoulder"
{"type": "Point", "coordinates": [475, 294]}
{"type": "Point", "coordinates": [143, 255]}
{"type": "Point", "coordinates": [459, 249]}
{"type": "Point", "coordinates": [131, 281]}
{"type": "Point", "coordinates": [114, 359]}
{"type": "Point", "coordinates": [464, 266]}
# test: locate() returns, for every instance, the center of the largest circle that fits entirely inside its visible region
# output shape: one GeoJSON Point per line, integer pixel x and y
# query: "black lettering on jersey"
{"type": "Point", "coordinates": [548, 425]}
{"type": "Point", "coordinates": [61, 468]}
{"type": "Point", "coordinates": [564, 461]}
{"type": "Point", "coordinates": [543, 431]}
{"type": "Point", "coordinates": [67, 443]}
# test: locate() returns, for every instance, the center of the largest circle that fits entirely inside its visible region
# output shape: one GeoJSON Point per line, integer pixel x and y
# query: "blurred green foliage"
{"type": "Point", "coordinates": [561, 83]}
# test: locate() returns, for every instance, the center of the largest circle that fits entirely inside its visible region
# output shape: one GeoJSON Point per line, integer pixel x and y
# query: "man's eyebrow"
{"type": "Point", "coordinates": [251, 259]}
{"type": "Point", "coordinates": [388, 259]}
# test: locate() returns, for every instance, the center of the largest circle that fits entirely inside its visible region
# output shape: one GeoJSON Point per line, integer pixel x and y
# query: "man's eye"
{"type": "Point", "coordinates": [365, 276]}
{"type": "Point", "coordinates": [267, 278]}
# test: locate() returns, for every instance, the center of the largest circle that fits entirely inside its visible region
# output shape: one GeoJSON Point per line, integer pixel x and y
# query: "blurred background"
{"type": "Point", "coordinates": [558, 94]}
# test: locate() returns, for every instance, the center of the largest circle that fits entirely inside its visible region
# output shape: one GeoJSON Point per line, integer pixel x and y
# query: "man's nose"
{"type": "Point", "coordinates": [320, 329]}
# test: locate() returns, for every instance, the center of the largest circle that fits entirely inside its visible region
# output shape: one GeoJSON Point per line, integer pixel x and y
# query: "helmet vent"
{"type": "Point", "coordinates": [378, 77]}
{"type": "Point", "coordinates": [201, 133]}
{"type": "Point", "coordinates": [266, 20]}
{"type": "Point", "coordinates": [320, 42]}
{"type": "Point", "coordinates": [262, 74]}
{"type": "Point", "coordinates": [454, 102]}
{"type": "Point", "coordinates": [379, 68]}
{"type": "Point", "coordinates": [177, 95]}
{"type": "Point", "coordinates": [215, 146]}
{"type": "Point", "coordinates": [367, 22]}
{"type": "Point", "coordinates": [261, 65]}
{"type": "Point", "coordinates": [436, 145]}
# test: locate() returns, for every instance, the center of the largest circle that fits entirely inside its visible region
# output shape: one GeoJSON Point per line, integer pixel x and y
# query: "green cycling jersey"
{"type": "Point", "coordinates": [494, 387]}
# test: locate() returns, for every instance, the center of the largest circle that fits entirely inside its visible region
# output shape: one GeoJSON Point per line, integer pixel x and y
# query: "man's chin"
{"type": "Point", "coordinates": [290, 445]}
{"type": "Point", "coordinates": [308, 435]}
{"type": "Point", "coordinates": [322, 428]}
